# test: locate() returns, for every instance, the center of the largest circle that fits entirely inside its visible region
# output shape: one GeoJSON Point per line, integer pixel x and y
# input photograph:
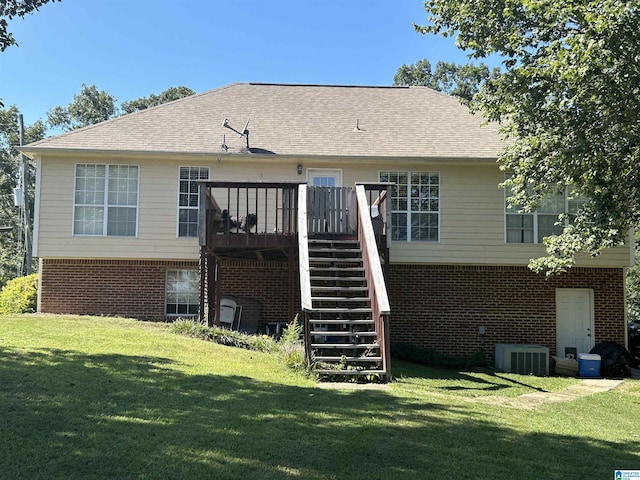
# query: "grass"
{"type": "Point", "coordinates": [94, 398]}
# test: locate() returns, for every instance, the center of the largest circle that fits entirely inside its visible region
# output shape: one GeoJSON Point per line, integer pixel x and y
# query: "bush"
{"type": "Point", "coordinates": [431, 358]}
{"type": "Point", "coordinates": [230, 338]}
{"type": "Point", "coordinates": [20, 295]}
{"type": "Point", "coordinates": [291, 348]}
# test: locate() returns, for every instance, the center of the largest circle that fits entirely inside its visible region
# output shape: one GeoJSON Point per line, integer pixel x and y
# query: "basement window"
{"type": "Point", "coordinates": [182, 293]}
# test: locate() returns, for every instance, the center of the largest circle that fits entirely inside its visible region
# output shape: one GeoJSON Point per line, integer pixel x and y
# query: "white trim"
{"type": "Point", "coordinates": [408, 211]}
{"type": "Point", "coordinates": [166, 293]}
{"type": "Point", "coordinates": [536, 215]}
{"type": "Point", "coordinates": [178, 198]}
{"type": "Point", "coordinates": [36, 209]}
{"type": "Point", "coordinates": [592, 320]}
{"type": "Point", "coordinates": [324, 172]}
{"type": "Point", "coordinates": [105, 204]}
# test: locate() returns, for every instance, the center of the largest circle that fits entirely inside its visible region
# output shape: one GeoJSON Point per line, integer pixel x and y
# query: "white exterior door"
{"type": "Point", "coordinates": [324, 177]}
{"type": "Point", "coordinates": [574, 320]}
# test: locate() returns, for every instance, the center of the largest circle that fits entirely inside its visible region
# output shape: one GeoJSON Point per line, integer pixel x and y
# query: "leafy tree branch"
{"type": "Point", "coordinates": [568, 102]}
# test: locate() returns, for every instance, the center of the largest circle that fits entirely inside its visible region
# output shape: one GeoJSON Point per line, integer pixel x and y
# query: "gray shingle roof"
{"type": "Point", "coordinates": [297, 120]}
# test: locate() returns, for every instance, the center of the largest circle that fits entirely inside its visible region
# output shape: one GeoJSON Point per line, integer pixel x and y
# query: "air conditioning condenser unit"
{"type": "Point", "coordinates": [522, 359]}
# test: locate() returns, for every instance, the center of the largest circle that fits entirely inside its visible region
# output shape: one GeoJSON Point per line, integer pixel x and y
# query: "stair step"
{"type": "Point", "coordinates": [341, 310]}
{"type": "Point", "coordinates": [336, 269]}
{"type": "Point", "coordinates": [340, 299]}
{"type": "Point", "coordinates": [325, 371]}
{"type": "Point", "coordinates": [329, 333]}
{"type": "Point", "coordinates": [335, 250]}
{"type": "Point", "coordinates": [342, 322]}
{"type": "Point", "coordinates": [345, 345]}
{"type": "Point", "coordinates": [332, 242]}
{"type": "Point", "coordinates": [347, 359]}
{"type": "Point", "coordinates": [321, 288]}
{"type": "Point", "coordinates": [337, 279]}
{"type": "Point", "coordinates": [334, 260]}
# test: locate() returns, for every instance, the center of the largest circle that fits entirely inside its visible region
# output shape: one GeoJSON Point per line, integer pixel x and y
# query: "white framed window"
{"type": "Point", "coordinates": [533, 227]}
{"type": "Point", "coordinates": [182, 293]}
{"type": "Point", "coordinates": [106, 200]}
{"type": "Point", "coordinates": [188, 199]}
{"type": "Point", "coordinates": [324, 177]}
{"type": "Point", "coordinates": [415, 205]}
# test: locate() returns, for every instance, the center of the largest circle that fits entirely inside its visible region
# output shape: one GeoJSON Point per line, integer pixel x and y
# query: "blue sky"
{"type": "Point", "coordinates": [132, 48]}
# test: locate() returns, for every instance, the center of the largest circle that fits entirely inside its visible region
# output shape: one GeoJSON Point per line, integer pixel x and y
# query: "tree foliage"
{"type": "Point", "coordinates": [633, 284]}
{"type": "Point", "coordinates": [462, 81]}
{"type": "Point", "coordinates": [15, 8]}
{"type": "Point", "coordinates": [11, 253]}
{"type": "Point", "coordinates": [568, 101]}
{"type": "Point", "coordinates": [88, 107]}
{"type": "Point", "coordinates": [169, 95]}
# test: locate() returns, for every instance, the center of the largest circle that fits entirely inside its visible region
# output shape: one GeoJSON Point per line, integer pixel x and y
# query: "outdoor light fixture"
{"type": "Point", "coordinates": [299, 167]}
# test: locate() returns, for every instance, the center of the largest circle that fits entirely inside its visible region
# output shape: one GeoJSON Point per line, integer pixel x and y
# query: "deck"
{"type": "Point", "coordinates": [280, 221]}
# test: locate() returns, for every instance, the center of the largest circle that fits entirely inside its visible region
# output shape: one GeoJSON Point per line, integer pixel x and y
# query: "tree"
{"type": "Point", "coordinates": [633, 284]}
{"type": "Point", "coordinates": [11, 251]}
{"type": "Point", "coordinates": [569, 103]}
{"type": "Point", "coordinates": [15, 8]}
{"type": "Point", "coordinates": [462, 81]}
{"type": "Point", "coordinates": [88, 107]}
{"type": "Point", "coordinates": [169, 95]}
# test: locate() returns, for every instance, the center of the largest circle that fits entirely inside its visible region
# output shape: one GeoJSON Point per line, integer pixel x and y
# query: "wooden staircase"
{"type": "Point", "coordinates": [342, 287]}
{"type": "Point", "coordinates": [342, 333]}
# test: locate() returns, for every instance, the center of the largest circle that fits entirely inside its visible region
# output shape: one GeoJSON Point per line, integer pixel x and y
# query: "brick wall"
{"type": "Point", "coordinates": [131, 288]}
{"type": "Point", "coordinates": [440, 307]}
{"type": "Point", "coordinates": [136, 288]}
{"type": "Point", "coordinates": [443, 307]}
{"type": "Point", "coordinates": [267, 282]}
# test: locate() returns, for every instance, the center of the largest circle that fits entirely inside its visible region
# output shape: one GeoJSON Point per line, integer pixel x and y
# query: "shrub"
{"type": "Point", "coordinates": [20, 295]}
{"type": "Point", "coordinates": [291, 348]}
{"type": "Point", "coordinates": [230, 338]}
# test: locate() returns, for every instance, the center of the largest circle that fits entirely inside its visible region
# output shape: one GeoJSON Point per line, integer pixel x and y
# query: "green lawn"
{"type": "Point", "coordinates": [86, 397]}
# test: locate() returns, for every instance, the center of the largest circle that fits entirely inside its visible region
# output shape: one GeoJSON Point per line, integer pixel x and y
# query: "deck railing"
{"type": "Point", "coordinates": [247, 214]}
{"type": "Point", "coordinates": [380, 307]}
{"type": "Point", "coordinates": [331, 210]}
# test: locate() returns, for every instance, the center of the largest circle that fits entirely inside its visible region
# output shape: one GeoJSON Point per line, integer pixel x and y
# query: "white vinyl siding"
{"type": "Point", "coordinates": [415, 205]}
{"type": "Point", "coordinates": [472, 211]}
{"type": "Point", "coordinates": [188, 199]}
{"type": "Point", "coordinates": [182, 293]}
{"type": "Point", "coordinates": [105, 200]}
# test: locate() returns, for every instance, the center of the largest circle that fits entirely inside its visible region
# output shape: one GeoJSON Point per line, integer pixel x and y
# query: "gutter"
{"type": "Point", "coordinates": [33, 152]}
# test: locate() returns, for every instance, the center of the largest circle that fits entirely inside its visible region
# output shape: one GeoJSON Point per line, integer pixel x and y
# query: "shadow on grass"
{"type": "Point", "coordinates": [76, 416]}
{"type": "Point", "coordinates": [409, 369]}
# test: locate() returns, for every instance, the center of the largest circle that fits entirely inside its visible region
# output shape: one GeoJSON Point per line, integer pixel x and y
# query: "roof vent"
{"type": "Point", "coordinates": [357, 127]}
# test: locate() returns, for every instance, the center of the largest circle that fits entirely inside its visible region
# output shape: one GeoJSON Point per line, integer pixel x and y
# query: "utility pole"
{"type": "Point", "coordinates": [26, 217]}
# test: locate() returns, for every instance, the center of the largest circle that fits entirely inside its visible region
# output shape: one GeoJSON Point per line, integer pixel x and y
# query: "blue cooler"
{"type": "Point", "coordinates": [588, 365]}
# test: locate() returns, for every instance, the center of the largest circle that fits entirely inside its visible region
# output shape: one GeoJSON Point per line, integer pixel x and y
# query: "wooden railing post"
{"type": "Point", "coordinates": [303, 266]}
{"type": "Point", "coordinates": [375, 279]}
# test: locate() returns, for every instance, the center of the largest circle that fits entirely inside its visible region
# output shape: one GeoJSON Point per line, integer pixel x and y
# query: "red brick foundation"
{"type": "Point", "coordinates": [440, 307]}
{"type": "Point", "coordinates": [130, 288]}
{"type": "Point", "coordinates": [443, 307]}
{"type": "Point", "coordinates": [136, 288]}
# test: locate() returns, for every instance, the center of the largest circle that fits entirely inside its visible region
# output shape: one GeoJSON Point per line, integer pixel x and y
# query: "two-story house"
{"type": "Point", "coordinates": [119, 206]}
